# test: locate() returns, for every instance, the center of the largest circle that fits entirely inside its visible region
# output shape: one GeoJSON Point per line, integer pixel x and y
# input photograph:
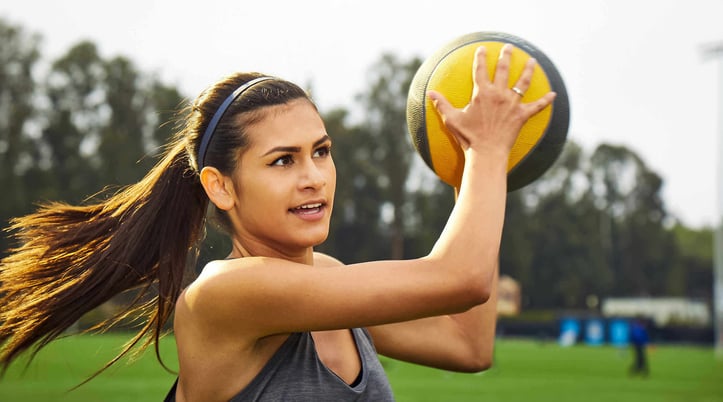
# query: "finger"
{"type": "Point", "coordinates": [479, 67]}
{"type": "Point", "coordinates": [535, 107]}
{"type": "Point", "coordinates": [441, 104]}
{"type": "Point", "coordinates": [502, 72]}
{"type": "Point", "coordinates": [446, 111]}
{"type": "Point", "coordinates": [523, 83]}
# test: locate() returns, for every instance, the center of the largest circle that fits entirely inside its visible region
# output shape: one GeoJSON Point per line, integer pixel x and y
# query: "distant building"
{"type": "Point", "coordinates": [509, 296]}
{"type": "Point", "coordinates": [663, 311]}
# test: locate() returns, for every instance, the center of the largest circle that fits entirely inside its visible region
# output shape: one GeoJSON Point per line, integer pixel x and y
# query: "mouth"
{"type": "Point", "coordinates": [308, 209]}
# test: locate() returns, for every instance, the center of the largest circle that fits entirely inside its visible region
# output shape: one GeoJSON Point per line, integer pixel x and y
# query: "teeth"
{"type": "Point", "coordinates": [310, 206]}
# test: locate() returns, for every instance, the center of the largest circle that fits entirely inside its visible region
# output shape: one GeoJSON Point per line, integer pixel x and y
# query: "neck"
{"type": "Point", "coordinates": [240, 250]}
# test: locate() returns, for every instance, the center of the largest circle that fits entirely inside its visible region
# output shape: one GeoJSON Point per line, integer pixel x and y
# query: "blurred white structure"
{"type": "Point", "coordinates": [663, 311]}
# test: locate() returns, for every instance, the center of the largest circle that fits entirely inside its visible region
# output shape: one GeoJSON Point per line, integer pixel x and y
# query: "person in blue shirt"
{"type": "Point", "coordinates": [639, 340]}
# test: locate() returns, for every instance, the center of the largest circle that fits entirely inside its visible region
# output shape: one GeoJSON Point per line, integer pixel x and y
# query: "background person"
{"type": "Point", "coordinates": [639, 340]}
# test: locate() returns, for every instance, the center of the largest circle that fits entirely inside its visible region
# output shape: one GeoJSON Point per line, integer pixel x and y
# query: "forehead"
{"type": "Point", "coordinates": [287, 124]}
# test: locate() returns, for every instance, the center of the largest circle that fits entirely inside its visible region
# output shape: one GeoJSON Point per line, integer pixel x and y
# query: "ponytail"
{"type": "Point", "coordinates": [71, 259]}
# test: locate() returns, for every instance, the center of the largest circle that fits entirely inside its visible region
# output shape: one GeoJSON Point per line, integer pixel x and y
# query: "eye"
{"type": "Point", "coordinates": [322, 151]}
{"type": "Point", "coordinates": [285, 160]}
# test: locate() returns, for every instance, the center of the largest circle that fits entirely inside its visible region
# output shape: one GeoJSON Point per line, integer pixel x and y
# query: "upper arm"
{"type": "Point", "coordinates": [261, 296]}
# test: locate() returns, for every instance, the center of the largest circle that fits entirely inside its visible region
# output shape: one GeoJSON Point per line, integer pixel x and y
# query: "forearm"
{"type": "Point", "coordinates": [471, 239]}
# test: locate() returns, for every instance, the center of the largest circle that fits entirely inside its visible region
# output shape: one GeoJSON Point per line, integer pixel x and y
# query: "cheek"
{"type": "Point", "coordinates": [331, 181]}
{"type": "Point", "coordinates": [261, 208]}
{"type": "Point", "coordinates": [261, 194]}
{"type": "Point", "coordinates": [256, 192]}
{"type": "Point", "coordinates": [332, 168]}
{"type": "Point", "coordinates": [333, 171]}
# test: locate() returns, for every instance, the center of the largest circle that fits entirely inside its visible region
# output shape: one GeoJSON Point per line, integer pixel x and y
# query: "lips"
{"type": "Point", "coordinates": [308, 209]}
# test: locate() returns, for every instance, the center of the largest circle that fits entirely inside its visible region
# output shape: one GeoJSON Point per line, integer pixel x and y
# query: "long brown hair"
{"type": "Point", "coordinates": [71, 259]}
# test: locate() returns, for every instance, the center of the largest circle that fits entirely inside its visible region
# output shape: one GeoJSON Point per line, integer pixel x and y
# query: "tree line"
{"type": "Point", "coordinates": [594, 226]}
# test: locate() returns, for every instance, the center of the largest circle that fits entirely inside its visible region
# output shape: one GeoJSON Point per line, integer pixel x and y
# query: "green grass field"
{"type": "Point", "coordinates": [524, 371]}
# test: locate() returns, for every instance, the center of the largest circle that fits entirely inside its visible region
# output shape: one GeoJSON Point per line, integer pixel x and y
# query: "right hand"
{"type": "Point", "coordinates": [495, 114]}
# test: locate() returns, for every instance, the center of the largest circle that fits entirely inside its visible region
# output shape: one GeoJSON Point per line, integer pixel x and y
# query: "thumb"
{"type": "Point", "coordinates": [447, 112]}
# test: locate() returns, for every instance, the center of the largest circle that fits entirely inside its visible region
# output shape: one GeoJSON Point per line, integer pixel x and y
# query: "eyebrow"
{"type": "Point", "coordinates": [318, 142]}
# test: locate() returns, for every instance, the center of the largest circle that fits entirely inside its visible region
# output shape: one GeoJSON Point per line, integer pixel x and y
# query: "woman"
{"type": "Point", "coordinates": [275, 321]}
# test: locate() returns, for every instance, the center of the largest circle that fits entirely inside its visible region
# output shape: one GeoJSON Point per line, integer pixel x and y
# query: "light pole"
{"type": "Point", "coordinates": [715, 51]}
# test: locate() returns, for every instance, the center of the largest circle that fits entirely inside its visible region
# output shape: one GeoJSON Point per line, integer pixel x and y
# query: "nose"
{"type": "Point", "coordinates": [312, 176]}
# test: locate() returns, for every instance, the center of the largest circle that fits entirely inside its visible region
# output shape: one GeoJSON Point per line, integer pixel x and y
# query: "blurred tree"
{"type": "Point", "coordinates": [142, 117]}
{"type": "Point", "coordinates": [592, 225]}
{"type": "Point", "coordinates": [385, 205]}
{"type": "Point", "coordinates": [124, 134]}
{"type": "Point", "coordinates": [389, 147]}
{"type": "Point", "coordinates": [76, 114]}
{"type": "Point", "coordinates": [692, 274]}
{"type": "Point", "coordinates": [354, 235]}
{"type": "Point", "coordinates": [18, 56]}
{"type": "Point", "coordinates": [516, 249]}
{"type": "Point", "coordinates": [426, 211]}
{"type": "Point", "coordinates": [549, 241]}
{"type": "Point", "coordinates": [162, 114]}
{"type": "Point", "coordinates": [638, 247]}
{"type": "Point", "coordinates": [105, 118]}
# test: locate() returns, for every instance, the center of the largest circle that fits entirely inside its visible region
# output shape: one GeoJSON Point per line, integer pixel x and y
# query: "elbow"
{"type": "Point", "coordinates": [478, 290]}
{"type": "Point", "coordinates": [484, 293]}
{"type": "Point", "coordinates": [482, 366]}
{"type": "Point", "coordinates": [475, 364]}
{"type": "Point", "coordinates": [478, 368]}
{"type": "Point", "coordinates": [468, 283]}
{"type": "Point", "coordinates": [478, 283]}
{"type": "Point", "coordinates": [474, 352]}
{"type": "Point", "coordinates": [483, 363]}
{"type": "Point", "coordinates": [478, 362]}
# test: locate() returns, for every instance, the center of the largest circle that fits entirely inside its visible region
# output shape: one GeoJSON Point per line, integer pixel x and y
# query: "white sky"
{"type": "Point", "coordinates": [634, 69]}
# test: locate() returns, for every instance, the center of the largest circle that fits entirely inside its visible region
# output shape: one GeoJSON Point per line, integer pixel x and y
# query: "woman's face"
{"type": "Point", "coordinates": [285, 182]}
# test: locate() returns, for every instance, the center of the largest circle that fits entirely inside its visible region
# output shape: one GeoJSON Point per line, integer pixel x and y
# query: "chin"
{"type": "Point", "coordinates": [313, 240]}
{"type": "Point", "coordinates": [321, 241]}
{"type": "Point", "coordinates": [317, 241]}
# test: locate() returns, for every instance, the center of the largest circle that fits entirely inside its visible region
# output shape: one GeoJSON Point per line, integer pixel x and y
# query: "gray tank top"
{"type": "Point", "coordinates": [295, 373]}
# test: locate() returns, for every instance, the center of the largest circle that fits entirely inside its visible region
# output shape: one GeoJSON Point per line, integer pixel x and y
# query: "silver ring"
{"type": "Point", "coordinates": [518, 91]}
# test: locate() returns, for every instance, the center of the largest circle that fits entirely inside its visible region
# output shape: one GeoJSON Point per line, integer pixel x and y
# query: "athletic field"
{"type": "Point", "coordinates": [525, 370]}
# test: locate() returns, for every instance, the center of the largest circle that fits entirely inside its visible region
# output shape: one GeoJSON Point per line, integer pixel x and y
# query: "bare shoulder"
{"type": "Point", "coordinates": [220, 280]}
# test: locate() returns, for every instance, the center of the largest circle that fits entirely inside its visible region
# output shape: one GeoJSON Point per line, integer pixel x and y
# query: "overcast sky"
{"type": "Point", "coordinates": [634, 70]}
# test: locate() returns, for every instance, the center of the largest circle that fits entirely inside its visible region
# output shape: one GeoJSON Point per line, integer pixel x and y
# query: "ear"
{"type": "Point", "coordinates": [218, 188]}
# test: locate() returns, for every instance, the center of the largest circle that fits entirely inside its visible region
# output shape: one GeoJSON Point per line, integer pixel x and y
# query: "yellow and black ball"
{"type": "Point", "coordinates": [449, 71]}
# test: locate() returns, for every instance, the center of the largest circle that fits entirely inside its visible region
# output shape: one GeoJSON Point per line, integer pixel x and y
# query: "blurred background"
{"type": "Point", "coordinates": [621, 227]}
